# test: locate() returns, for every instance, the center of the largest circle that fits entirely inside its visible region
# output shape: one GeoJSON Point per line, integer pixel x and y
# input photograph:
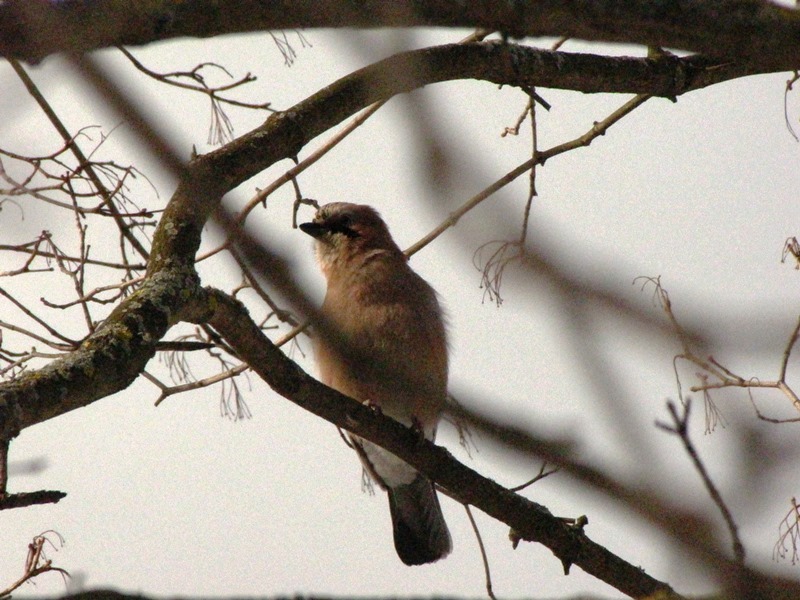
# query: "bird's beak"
{"type": "Point", "coordinates": [315, 230]}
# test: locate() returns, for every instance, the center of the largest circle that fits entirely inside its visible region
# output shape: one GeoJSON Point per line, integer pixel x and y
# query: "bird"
{"type": "Point", "coordinates": [394, 358]}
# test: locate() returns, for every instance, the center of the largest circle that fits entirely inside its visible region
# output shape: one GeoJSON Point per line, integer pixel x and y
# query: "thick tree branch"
{"type": "Point", "coordinates": [107, 361]}
{"type": "Point", "coordinates": [529, 520]}
{"type": "Point", "coordinates": [127, 340]}
{"type": "Point", "coordinates": [752, 31]}
{"type": "Point", "coordinates": [284, 134]}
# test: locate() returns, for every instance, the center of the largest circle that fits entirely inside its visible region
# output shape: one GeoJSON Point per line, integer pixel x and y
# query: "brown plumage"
{"type": "Point", "coordinates": [382, 309]}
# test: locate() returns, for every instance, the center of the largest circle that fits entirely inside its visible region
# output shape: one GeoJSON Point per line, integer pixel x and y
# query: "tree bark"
{"type": "Point", "coordinates": [752, 31]}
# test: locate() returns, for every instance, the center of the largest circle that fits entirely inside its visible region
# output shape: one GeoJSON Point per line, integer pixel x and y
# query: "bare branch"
{"type": "Point", "coordinates": [37, 562]}
{"type": "Point", "coordinates": [760, 33]}
{"type": "Point", "coordinates": [30, 499]}
{"type": "Point", "coordinates": [716, 376]}
{"type": "Point", "coordinates": [83, 162]}
{"type": "Point", "coordinates": [680, 427]}
{"type": "Point", "coordinates": [221, 127]}
{"type": "Point", "coordinates": [35, 252]}
{"type": "Point", "coordinates": [598, 129]}
{"type": "Point", "coordinates": [787, 352]}
{"type": "Point", "coordinates": [70, 343]}
{"type": "Point", "coordinates": [543, 472]}
{"type": "Point", "coordinates": [486, 569]}
{"type": "Point", "coordinates": [92, 295]}
{"type": "Point", "coordinates": [789, 533]}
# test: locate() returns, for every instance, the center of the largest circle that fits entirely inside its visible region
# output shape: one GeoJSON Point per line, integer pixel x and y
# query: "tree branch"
{"type": "Point", "coordinates": [107, 361]}
{"type": "Point", "coordinates": [83, 164]}
{"type": "Point", "coordinates": [752, 31]}
{"type": "Point", "coordinates": [284, 134]}
{"type": "Point", "coordinates": [30, 498]}
{"type": "Point", "coordinates": [124, 344]}
{"type": "Point", "coordinates": [117, 352]}
{"type": "Point", "coordinates": [529, 520]}
{"type": "Point", "coordinates": [680, 428]}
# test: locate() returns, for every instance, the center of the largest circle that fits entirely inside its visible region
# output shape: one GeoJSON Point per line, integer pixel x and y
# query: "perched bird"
{"type": "Point", "coordinates": [384, 311]}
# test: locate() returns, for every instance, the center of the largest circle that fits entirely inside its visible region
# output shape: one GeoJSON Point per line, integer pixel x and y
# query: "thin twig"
{"type": "Point", "coordinates": [55, 345]}
{"type": "Point", "coordinates": [514, 129]}
{"type": "Point", "coordinates": [540, 158]}
{"type": "Point", "coordinates": [284, 315]}
{"type": "Point", "coordinates": [724, 377]}
{"type": "Point", "coordinates": [539, 476]}
{"type": "Point", "coordinates": [83, 162]}
{"type": "Point", "coordinates": [788, 350]}
{"type": "Point", "coordinates": [36, 563]}
{"type": "Point", "coordinates": [680, 427]}
{"type": "Point", "coordinates": [291, 174]}
{"type": "Point", "coordinates": [171, 79]}
{"type": "Point", "coordinates": [486, 570]}
{"type": "Point", "coordinates": [40, 321]}
{"type": "Point", "coordinates": [91, 296]}
{"type": "Point", "coordinates": [789, 531]}
{"type": "Point", "coordinates": [89, 261]}
{"type": "Point", "coordinates": [167, 391]}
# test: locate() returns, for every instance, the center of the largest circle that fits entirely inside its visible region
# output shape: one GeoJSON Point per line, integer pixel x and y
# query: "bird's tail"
{"type": "Point", "coordinates": [420, 532]}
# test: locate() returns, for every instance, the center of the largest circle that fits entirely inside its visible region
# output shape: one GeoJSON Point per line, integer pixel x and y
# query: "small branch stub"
{"type": "Point", "coordinates": [20, 500]}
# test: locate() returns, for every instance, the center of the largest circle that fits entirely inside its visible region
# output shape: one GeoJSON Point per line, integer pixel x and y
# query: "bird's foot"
{"type": "Point", "coordinates": [374, 406]}
{"type": "Point", "coordinates": [417, 427]}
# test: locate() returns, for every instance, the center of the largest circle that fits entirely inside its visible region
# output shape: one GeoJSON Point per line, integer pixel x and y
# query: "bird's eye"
{"type": "Point", "coordinates": [344, 225]}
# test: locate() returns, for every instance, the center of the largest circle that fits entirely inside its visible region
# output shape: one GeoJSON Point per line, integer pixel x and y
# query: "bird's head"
{"type": "Point", "coordinates": [346, 232]}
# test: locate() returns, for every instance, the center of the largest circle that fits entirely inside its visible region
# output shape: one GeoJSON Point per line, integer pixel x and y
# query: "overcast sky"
{"type": "Point", "coordinates": [703, 192]}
